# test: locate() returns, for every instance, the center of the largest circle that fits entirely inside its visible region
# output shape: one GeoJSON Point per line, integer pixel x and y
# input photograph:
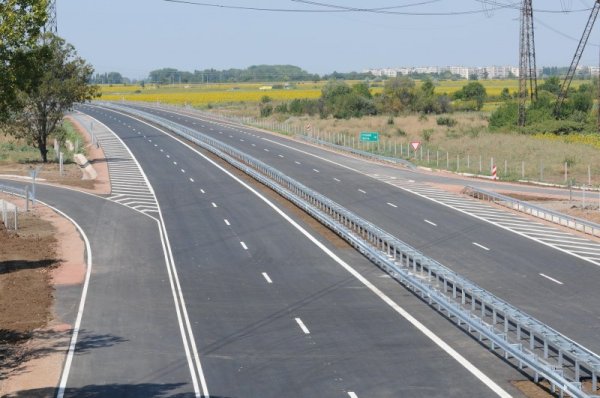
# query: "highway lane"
{"type": "Point", "coordinates": [517, 269]}
{"type": "Point", "coordinates": [272, 314]}
{"type": "Point", "coordinates": [129, 344]}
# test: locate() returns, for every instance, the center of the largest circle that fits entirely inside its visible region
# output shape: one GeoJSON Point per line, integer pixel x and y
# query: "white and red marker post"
{"type": "Point", "coordinates": [494, 172]}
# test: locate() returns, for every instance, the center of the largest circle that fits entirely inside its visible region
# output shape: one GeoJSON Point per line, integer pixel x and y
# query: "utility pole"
{"type": "Point", "coordinates": [51, 24]}
{"type": "Point", "coordinates": [527, 63]}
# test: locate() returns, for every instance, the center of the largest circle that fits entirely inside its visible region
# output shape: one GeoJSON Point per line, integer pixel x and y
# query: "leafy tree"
{"type": "Point", "coordinates": [20, 24]}
{"type": "Point", "coordinates": [362, 89]}
{"type": "Point", "coordinates": [473, 91]}
{"type": "Point", "coordinates": [428, 88]}
{"type": "Point", "coordinates": [505, 94]}
{"type": "Point", "coordinates": [399, 94]}
{"type": "Point", "coordinates": [551, 84]}
{"type": "Point", "coordinates": [50, 79]}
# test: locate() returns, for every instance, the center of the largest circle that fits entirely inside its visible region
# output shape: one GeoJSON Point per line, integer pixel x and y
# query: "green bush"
{"type": "Point", "coordinates": [446, 121]}
{"type": "Point", "coordinates": [266, 110]}
{"type": "Point", "coordinates": [427, 134]}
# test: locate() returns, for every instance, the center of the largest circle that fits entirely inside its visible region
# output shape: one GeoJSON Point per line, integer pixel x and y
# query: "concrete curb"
{"type": "Point", "coordinates": [89, 173]}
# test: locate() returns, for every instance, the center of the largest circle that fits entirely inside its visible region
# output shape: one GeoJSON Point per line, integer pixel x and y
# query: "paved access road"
{"type": "Point", "coordinates": [274, 312]}
{"type": "Point", "coordinates": [129, 342]}
{"type": "Point", "coordinates": [518, 269]}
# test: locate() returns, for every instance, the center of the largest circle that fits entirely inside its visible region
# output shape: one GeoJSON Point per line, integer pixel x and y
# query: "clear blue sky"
{"type": "Point", "coordinates": [134, 37]}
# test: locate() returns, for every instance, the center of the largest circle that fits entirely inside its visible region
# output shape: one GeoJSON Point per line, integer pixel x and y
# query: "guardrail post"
{"type": "Point", "coordinates": [27, 198]}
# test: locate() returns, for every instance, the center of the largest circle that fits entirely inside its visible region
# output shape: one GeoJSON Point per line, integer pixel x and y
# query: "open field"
{"type": "Point", "coordinates": [201, 95]}
{"type": "Point", "coordinates": [457, 148]}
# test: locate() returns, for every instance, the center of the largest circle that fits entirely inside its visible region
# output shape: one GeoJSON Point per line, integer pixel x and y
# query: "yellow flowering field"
{"type": "Point", "coordinates": [204, 94]}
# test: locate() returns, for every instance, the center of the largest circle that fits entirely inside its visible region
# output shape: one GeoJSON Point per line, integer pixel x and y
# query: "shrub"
{"type": "Point", "coordinates": [281, 108]}
{"type": "Point", "coordinates": [426, 134]}
{"type": "Point", "coordinates": [400, 132]}
{"type": "Point", "coordinates": [446, 121]}
{"type": "Point", "coordinates": [390, 120]}
{"type": "Point", "coordinates": [266, 110]}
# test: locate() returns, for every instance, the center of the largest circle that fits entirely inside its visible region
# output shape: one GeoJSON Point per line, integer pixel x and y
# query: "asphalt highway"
{"type": "Point", "coordinates": [277, 309]}
{"type": "Point", "coordinates": [514, 268]}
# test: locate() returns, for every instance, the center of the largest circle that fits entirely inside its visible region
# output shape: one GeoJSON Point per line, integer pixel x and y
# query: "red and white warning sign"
{"type": "Point", "coordinates": [415, 145]}
{"type": "Point", "coordinates": [494, 172]}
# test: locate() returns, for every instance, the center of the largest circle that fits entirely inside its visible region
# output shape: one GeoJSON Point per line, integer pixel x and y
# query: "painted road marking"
{"type": "Point", "coordinates": [191, 179]}
{"type": "Point", "coordinates": [267, 278]}
{"type": "Point", "coordinates": [169, 156]}
{"type": "Point", "coordinates": [226, 222]}
{"type": "Point", "coordinates": [391, 204]}
{"type": "Point", "coordinates": [175, 163]}
{"type": "Point", "coordinates": [337, 179]}
{"type": "Point", "coordinates": [297, 162]}
{"type": "Point", "coordinates": [182, 170]}
{"type": "Point", "coordinates": [362, 191]}
{"type": "Point", "coordinates": [481, 246]}
{"type": "Point", "coordinates": [430, 223]}
{"type": "Point", "coordinates": [162, 150]}
{"type": "Point", "coordinates": [266, 150]}
{"type": "Point", "coordinates": [352, 394]}
{"type": "Point", "coordinates": [552, 279]}
{"type": "Point", "coordinates": [214, 204]}
{"type": "Point", "coordinates": [386, 299]}
{"type": "Point", "coordinates": [253, 144]}
{"type": "Point", "coordinates": [281, 156]}
{"type": "Point", "coordinates": [244, 245]}
{"type": "Point", "coordinates": [315, 170]}
{"type": "Point", "coordinates": [202, 190]}
{"type": "Point", "coordinates": [302, 326]}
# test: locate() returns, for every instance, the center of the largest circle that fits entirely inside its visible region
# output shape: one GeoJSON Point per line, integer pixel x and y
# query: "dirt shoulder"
{"type": "Point", "coordinates": [46, 252]}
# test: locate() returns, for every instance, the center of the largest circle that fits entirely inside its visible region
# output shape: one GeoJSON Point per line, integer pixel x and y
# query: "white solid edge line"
{"type": "Point", "coordinates": [552, 279]}
{"type": "Point", "coordinates": [267, 277]}
{"type": "Point", "coordinates": [71, 352]}
{"type": "Point", "coordinates": [401, 311]}
{"type": "Point", "coordinates": [174, 283]}
{"type": "Point", "coordinates": [481, 246]}
{"type": "Point", "coordinates": [302, 326]}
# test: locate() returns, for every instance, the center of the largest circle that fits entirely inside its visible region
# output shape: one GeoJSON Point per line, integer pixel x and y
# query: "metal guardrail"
{"type": "Point", "coordinates": [524, 340]}
{"type": "Point", "coordinates": [575, 223]}
{"type": "Point", "coordinates": [15, 191]}
{"type": "Point", "coordinates": [246, 121]}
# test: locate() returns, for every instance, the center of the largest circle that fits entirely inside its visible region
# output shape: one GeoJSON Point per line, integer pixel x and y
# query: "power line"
{"type": "Point", "coordinates": [344, 9]}
{"type": "Point", "coordinates": [291, 10]}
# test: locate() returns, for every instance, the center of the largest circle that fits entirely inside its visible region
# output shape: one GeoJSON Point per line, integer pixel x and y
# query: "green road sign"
{"type": "Point", "coordinates": [369, 137]}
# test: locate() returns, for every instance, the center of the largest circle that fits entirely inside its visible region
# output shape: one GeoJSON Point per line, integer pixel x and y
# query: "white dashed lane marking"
{"type": "Point", "coordinates": [552, 279]}
{"type": "Point", "coordinates": [302, 326]}
{"type": "Point", "coordinates": [267, 277]}
{"type": "Point", "coordinates": [481, 246]}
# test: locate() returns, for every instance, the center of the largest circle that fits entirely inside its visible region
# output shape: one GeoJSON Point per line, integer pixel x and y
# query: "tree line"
{"type": "Point", "coordinates": [400, 95]}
